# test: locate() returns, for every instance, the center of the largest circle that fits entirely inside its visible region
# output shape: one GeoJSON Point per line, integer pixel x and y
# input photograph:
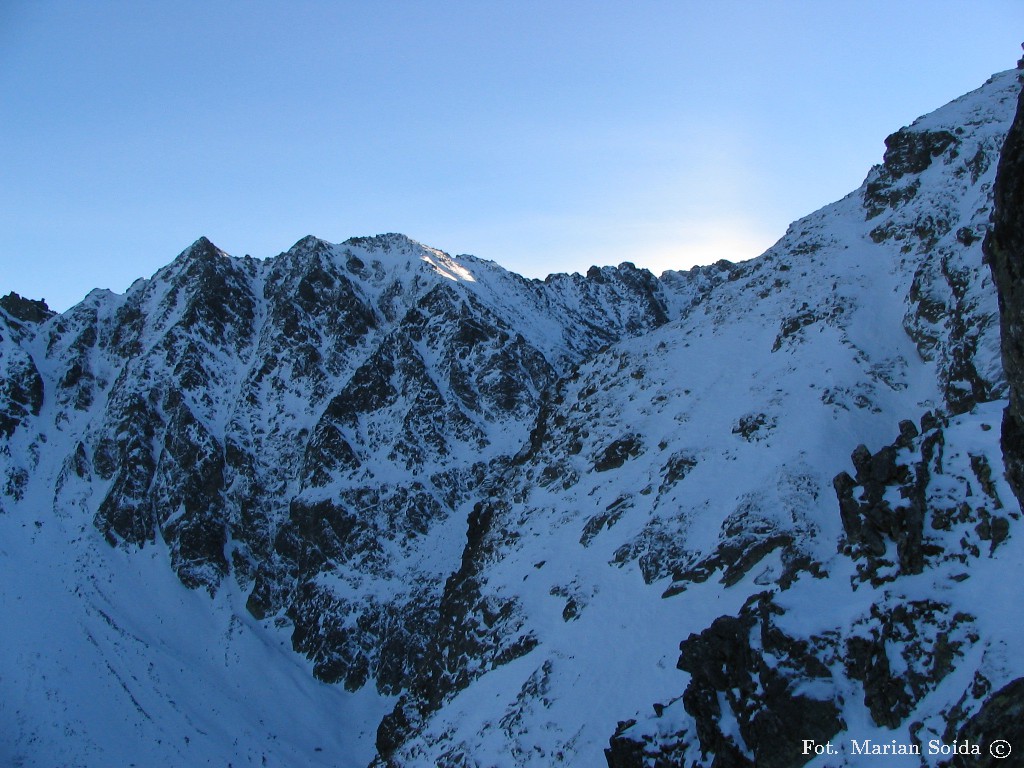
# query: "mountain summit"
{"type": "Point", "coordinates": [696, 519]}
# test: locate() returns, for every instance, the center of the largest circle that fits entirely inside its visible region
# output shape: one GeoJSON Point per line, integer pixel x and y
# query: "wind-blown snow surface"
{"type": "Point", "coordinates": [109, 660]}
{"type": "Point", "coordinates": [305, 438]}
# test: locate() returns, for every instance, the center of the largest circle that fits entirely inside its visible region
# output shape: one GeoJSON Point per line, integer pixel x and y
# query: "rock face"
{"type": "Point", "coordinates": [1004, 247]}
{"type": "Point", "coordinates": [722, 662]}
{"type": "Point", "coordinates": [503, 516]}
{"type": "Point", "coordinates": [21, 388]}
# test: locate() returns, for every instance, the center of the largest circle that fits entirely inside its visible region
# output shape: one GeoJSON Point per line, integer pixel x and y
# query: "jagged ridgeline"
{"type": "Point", "coordinates": [693, 520]}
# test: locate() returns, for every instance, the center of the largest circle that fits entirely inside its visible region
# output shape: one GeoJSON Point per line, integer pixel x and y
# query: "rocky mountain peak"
{"type": "Point", "coordinates": [25, 310]}
{"type": "Point", "coordinates": [309, 244]}
{"type": "Point", "coordinates": [388, 242]}
{"type": "Point", "coordinates": [201, 249]}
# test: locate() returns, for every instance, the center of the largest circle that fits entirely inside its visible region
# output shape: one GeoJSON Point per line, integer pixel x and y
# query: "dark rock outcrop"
{"type": "Point", "coordinates": [869, 518]}
{"type": "Point", "coordinates": [907, 153]}
{"type": "Point", "coordinates": [923, 637]}
{"type": "Point", "coordinates": [25, 310]}
{"type": "Point", "coordinates": [1001, 717]}
{"type": "Point", "coordinates": [747, 666]}
{"type": "Point", "coordinates": [1004, 247]}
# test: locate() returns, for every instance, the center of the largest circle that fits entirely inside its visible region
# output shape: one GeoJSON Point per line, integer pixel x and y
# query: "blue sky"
{"type": "Point", "coordinates": [547, 136]}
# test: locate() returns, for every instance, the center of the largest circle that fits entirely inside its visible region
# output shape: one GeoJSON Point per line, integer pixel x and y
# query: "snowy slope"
{"type": "Point", "coordinates": [699, 458]}
{"type": "Point", "coordinates": [109, 660]}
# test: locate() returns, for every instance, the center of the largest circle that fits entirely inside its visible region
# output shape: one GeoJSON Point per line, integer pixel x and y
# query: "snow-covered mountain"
{"type": "Point", "coordinates": [369, 502]}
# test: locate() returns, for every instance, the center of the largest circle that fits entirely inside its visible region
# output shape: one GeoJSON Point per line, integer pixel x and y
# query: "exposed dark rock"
{"type": "Point", "coordinates": [624, 752]}
{"type": "Point", "coordinates": [1004, 249]}
{"type": "Point", "coordinates": [677, 468]}
{"type": "Point", "coordinates": [25, 310]}
{"type": "Point", "coordinates": [908, 431]}
{"type": "Point", "coordinates": [754, 426]}
{"type": "Point", "coordinates": [744, 663]}
{"type": "Point", "coordinates": [907, 152]}
{"type": "Point", "coordinates": [352, 642]}
{"type": "Point", "coordinates": [947, 324]}
{"type": "Point", "coordinates": [869, 519]}
{"type": "Point", "coordinates": [471, 628]}
{"type": "Point", "coordinates": [21, 391]}
{"type": "Point", "coordinates": [126, 455]}
{"type": "Point", "coordinates": [319, 532]}
{"type": "Point", "coordinates": [605, 519]}
{"type": "Point", "coordinates": [1001, 717]}
{"type": "Point", "coordinates": [616, 453]}
{"type": "Point", "coordinates": [919, 633]}
{"type": "Point", "coordinates": [791, 325]}
{"type": "Point", "coordinates": [912, 151]}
